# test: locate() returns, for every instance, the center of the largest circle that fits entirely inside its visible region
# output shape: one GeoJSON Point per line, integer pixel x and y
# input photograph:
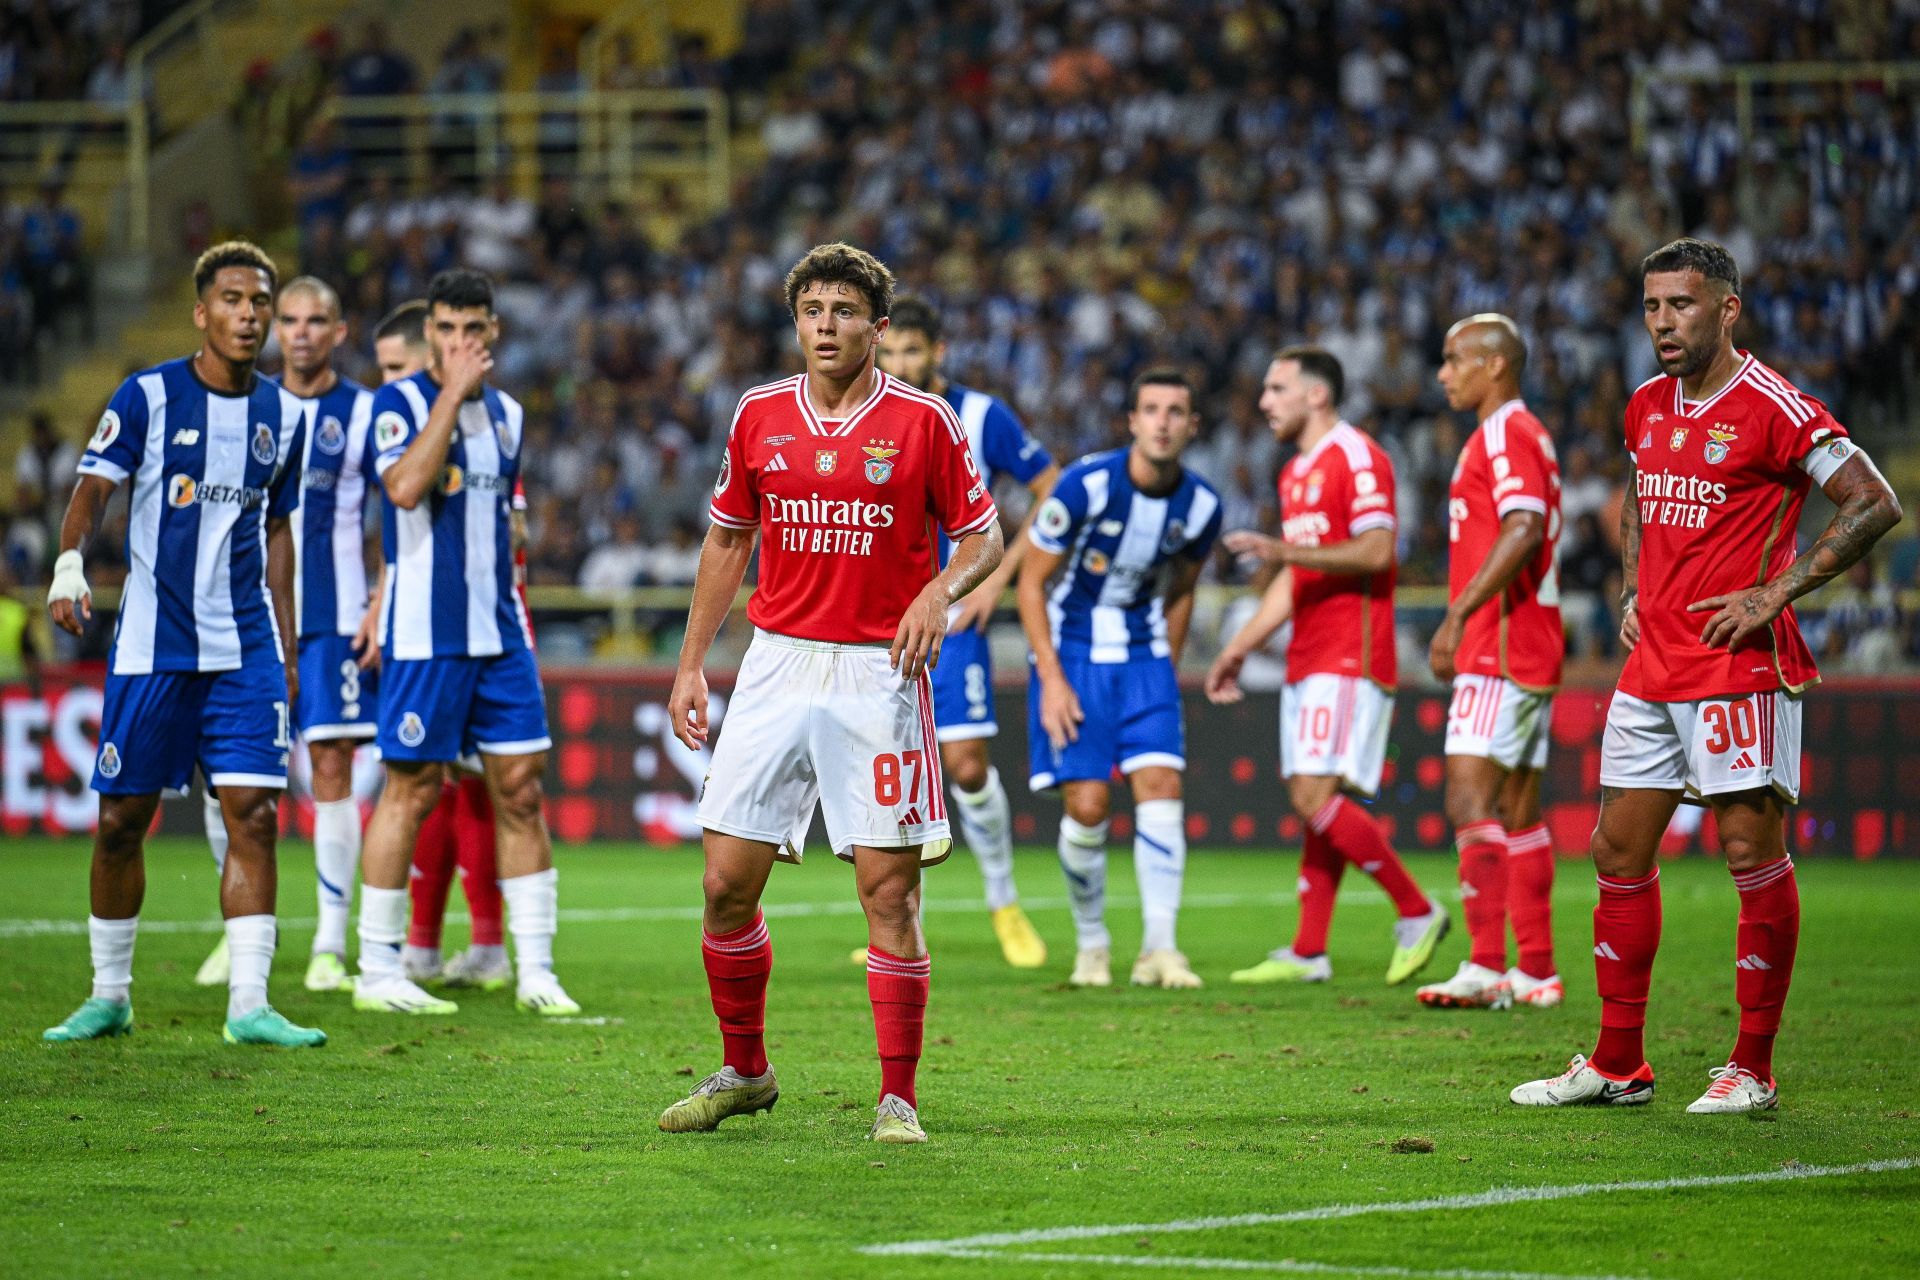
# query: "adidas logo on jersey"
{"type": "Point", "coordinates": [1606, 952]}
{"type": "Point", "coordinates": [187, 436]}
{"type": "Point", "coordinates": [1752, 964]}
{"type": "Point", "coordinates": [779, 463]}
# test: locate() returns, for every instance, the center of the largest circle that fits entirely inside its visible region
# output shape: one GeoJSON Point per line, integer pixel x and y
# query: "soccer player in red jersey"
{"type": "Point", "coordinates": [1338, 562]}
{"type": "Point", "coordinates": [1500, 646]}
{"type": "Point", "coordinates": [1708, 707]}
{"type": "Point", "coordinates": [844, 473]}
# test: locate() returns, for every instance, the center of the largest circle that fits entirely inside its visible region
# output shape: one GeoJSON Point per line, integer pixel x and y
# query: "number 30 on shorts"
{"type": "Point", "coordinates": [1730, 724]}
{"type": "Point", "coordinates": [887, 768]}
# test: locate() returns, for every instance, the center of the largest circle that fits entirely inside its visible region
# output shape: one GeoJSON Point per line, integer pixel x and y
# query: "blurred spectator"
{"type": "Point", "coordinates": [619, 562]}
{"type": "Point", "coordinates": [45, 468]}
{"type": "Point", "coordinates": [375, 69]}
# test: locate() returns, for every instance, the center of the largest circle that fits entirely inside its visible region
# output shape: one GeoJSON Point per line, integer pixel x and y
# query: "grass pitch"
{"type": "Point", "coordinates": [492, 1144]}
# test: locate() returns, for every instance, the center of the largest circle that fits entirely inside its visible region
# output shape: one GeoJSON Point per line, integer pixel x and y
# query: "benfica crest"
{"type": "Point", "coordinates": [825, 460]}
{"type": "Point", "coordinates": [1719, 436]}
{"type": "Point", "coordinates": [879, 462]}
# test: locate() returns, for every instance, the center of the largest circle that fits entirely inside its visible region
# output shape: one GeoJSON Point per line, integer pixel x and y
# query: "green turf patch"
{"type": "Point", "coordinates": [494, 1144]}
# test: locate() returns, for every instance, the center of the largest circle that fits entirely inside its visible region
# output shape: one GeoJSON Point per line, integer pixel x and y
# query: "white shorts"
{"type": "Point", "coordinates": [1495, 719]}
{"type": "Point", "coordinates": [1707, 747]}
{"type": "Point", "coordinates": [833, 724]}
{"type": "Point", "coordinates": [1335, 726]}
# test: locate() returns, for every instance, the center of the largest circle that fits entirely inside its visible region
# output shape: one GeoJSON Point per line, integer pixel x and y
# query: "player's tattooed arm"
{"type": "Point", "coordinates": [1630, 561]}
{"type": "Point", "coordinates": [1867, 509]}
{"type": "Point", "coordinates": [923, 627]}
{"type": "Point", "coordinates": [1521, 534]}
{"type": "Point", "coordinates": [280, 583]}
{"type": "Point", "coordinates": [70, 602]}
{"type": "Point", "coordinates": [716, 583]}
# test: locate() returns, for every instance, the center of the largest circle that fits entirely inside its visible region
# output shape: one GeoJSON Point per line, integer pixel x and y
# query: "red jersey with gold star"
{"type": "Point", "coordinates": [1720, 484]}
{"type": "Point", "coordinates": [847, 508]}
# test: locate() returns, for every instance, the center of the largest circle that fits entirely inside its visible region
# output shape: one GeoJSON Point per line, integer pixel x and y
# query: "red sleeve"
{"type": "Point", "coordinates": [736, 502]}
{"type": "Point", "coordinates": [1800, 423]}
{"type": "Point", "coordinates": [519, 494]}
{"type": "Point", "coordinates": [1519, 475]}
{"type": "Point", "coordinates": [956, 491]}
{"type": "Point", "coordinates": [1370, 496]}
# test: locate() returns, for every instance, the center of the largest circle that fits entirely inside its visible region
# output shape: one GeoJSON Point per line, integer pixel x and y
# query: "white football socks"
{"type": "Point", "coordinates": [250, 942]}
{"type": "Point", "coordinates": [1083, 858]}
{"type": "Point", "coordinates": [533, 915]}
{"type": "Point", "coordinates": [383, 927]}
{"type": "Point", "coordinates": [986, 824]}
{"type": "Point", "coordinates": [216, 824]}
{"type": "Point", "coordinates": [336, 856]}
{"type": "Point", "coordinates": [1159, 865]}
{"type": "Point", "coordinates": [111, 942]}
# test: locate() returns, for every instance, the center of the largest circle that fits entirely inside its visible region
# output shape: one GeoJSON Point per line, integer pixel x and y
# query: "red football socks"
{"type": "Point", "coordinates": [433, 863]}
{"type": "Point", "coordinates": [478, 861]}
{"type": "Point", "coordinates": [1764, 943]}
{"type": "Point", "coordinates": [1321, 867]}
{"type": "Point", "coordinates": [898, 990]}
{"type": "Point", "coordinates": [1483, 891]}
{"type": "Point", "coordinates": [1626, 934]}
{"type": "Point", "coordinates": [1353, 832]}
{"type": "Point", "coordinates": [1530, 898]}
{"type": "Point", "coordinates": [738, 966]}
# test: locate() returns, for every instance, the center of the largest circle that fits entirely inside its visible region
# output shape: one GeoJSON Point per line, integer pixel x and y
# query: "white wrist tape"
{"type": "Point", "coordinates": [69, 578]}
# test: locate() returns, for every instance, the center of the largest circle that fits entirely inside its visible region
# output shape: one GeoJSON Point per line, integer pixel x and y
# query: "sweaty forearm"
{"type": "Point", "coordinates": [973, 561]}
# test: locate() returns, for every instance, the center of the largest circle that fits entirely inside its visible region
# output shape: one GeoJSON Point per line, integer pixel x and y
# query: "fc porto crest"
{"type": "Point", "coordinates": [263, 447]}
{"type": "Point", "coordinates": [1719, 436]}
{"type": "Point", "coordinates": [412, 732]}
{"type": "Point", "coordinates": [1678, 440]}
{"type": "Point", "coordinates": [1174, 538]}
{"type": "Point", "coordinates": [879, 462]}
{"type": "Point", "coordinates": [109, 766]}
{"type": "Point", "coordinates": [825, 461]}
{"type": "Point", "coordinates": [331, 437]}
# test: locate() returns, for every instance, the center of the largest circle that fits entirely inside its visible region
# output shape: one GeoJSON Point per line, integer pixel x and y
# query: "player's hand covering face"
{"type": "Point", "coordinates": [462, 339]}
{"type": "Point", "coordinates": [835, 328]}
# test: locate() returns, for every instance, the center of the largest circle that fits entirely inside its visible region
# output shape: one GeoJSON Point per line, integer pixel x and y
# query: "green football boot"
{"type": "Point", "coordinates": [327, 971]}
{"type": "Point", "coordinates": [95, 1019]}
{"type": "Point", "coordinates": [265, 1025]}
{"type": "Point", "coordinates": [1284, 966]}
{"type": "Point", "coordinates": [724, 1093]}
{"type": "Point", "coordinates": [1414, 939]}
{"type": "Point", "coordinates": [897, 1122]}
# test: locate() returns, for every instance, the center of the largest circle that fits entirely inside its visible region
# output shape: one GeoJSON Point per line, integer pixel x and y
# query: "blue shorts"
{"type": "Point", "coordinates": [1133, 720]}
{"type": "Point", "coordinates": [963, 688]}
{"type": "Point", "coordinates": [443, 708]}
{"type": "Point", "coordinates": [155, 728]}
{"type": "Point", "coordinates": [337, 698]}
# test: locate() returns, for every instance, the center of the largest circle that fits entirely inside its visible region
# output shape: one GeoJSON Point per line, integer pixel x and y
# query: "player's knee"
{"type": "Point", "coordinates": [730, 899]}
{"type": "Point", "coordinates": [1089, 809]}
{"type": "Point", "coordinates": [1745, 852]}
{"type": "Point", "coordinates": [1309, 795]}
{"type": "Point", "coordinates": [1613, 857]}
{"type": "Point", "coordinates": [1465, 807]}
{"type": "Point", "coordinates": [253, 817]}
{"type": "Point", "coordinates": [892, 901]}
{"type": "Point", "coordinates": [518, 797]}
{"type": "Point", "coordinates": [122, 830]}
{"type": "Point", "coordinates": [967, 772]}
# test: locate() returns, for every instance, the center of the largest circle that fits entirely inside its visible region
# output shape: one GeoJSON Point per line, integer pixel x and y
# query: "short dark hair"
{"type": "Point", "coordinates": [232, 253]}
{"type": "Point", "coordinates": [461, 288]}
{"type": "Point", "coordinates": [916, 313]}
{"type": "Point", "coordinates": [408, 320]}
{"type": "Point", "coordinates": [841, 263]}
{"type": "Point", "coordinates": [1160, 375]}
{"type": "Point", "coordinates": [1688, 254]}
{"type": "Point", "coordinates": [1319, 364]}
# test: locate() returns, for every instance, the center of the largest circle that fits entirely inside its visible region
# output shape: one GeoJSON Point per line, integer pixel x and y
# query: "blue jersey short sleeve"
{"type": "Point", "coordinates": [120, 441]}
{"type": "Point", "coordinates": [1008, 448]}
{"type": "Point", "coordinates": [1062, 513]}
{"type": "Point", "coordinates": [283, 493]}
{"type": "Point", "coordinates": [1202, 546]}
{"type": "Point", "coordinates": [393, 428]}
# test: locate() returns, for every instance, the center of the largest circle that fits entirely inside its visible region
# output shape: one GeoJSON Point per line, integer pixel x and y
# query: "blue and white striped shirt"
{"type": "Point", "coordinates": [330, 567]}
{"type": "Point", "coordinates": [450, 559]}
{"type": "Point", "coordinates": [209, 470]}
{"type": "Point", "coordinates": [999, 440]}
{"type": "Point", "coordinates": [1106, 606]}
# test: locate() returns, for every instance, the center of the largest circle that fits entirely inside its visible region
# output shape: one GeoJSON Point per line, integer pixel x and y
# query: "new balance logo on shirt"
{"type": "Point", "coordinates": [1752, 964]}
{"type": "Point", "coordinates": [1606, 952]}
{"type": "Point", "coordinates": [187, 435]}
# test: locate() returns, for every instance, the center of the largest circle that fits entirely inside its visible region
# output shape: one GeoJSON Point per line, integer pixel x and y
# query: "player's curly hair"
{"type": "Point", "coordinates": [232, 253]}
{"type": "Point", "coordinates": [841, 263]}
{"type": "Point", "coordinates": [1688, 254]}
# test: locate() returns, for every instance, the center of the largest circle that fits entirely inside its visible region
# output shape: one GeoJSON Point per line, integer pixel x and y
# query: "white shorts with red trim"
{"type": "Point", "coordinates": [1707, 747]}
{"type": "Point", "coordinates": [812, 722]}
{"type": "Point", "coordinates": [1495, 719]}
{"type": "Point", "coordinates": [1335, 726]}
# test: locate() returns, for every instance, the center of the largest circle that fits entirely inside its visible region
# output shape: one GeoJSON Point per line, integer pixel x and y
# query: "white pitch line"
{"type": "Point", "coordinates": [1324, 1213]}
{"type": "Point", "coordinates": [1288, 1266]}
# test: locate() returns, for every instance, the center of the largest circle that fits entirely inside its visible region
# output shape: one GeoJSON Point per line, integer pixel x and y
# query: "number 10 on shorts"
{"type": "Point", "coordinates": [887, 769]}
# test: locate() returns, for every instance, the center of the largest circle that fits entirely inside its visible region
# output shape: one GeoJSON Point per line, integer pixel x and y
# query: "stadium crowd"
{"type": "Point", "coordinates": [1084, 188]}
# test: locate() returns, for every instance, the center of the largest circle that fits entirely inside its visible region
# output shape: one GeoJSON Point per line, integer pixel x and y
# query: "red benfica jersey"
{"type": "Point", "coordinates": [1720, 485]}
{"type": "Point", "coordinates": [846, 509]}
{"type": "Point", "coordinates": [1342, 623]}
{"type": "Point", "coordinates": [1507, 466]}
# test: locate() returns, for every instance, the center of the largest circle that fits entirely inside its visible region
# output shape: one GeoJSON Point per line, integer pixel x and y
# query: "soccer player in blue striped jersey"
{"type": "Point", "coordinates": [198, 675]}
{"type": "Point", "coordinates": [913, 351]}
{"type": "Point", "coordinates": [1128, 532]}
{"type": "Point", "coordinates": [457, 666]}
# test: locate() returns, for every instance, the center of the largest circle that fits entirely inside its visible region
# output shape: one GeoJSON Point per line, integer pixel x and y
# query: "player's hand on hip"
{"type": "Point", "coordinates": [687, 707]}
{"type": "Point", "coordinates": [1246, 542]}
{"type": "Point", "coordinates": [1446, 643]}
{"type": "Point", "coordinates": [69, 599]}
{"type": "Point", "coordinates": [1739, 615]}
{"type": "Point", "coordinates": [1060, 713]}
{"type": "Point", "coordinates": [923, 628]}
{"type": "Point", "coordinates": [1223, 679]}
{"type": "Point", "coordinates": [1630, 626]}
